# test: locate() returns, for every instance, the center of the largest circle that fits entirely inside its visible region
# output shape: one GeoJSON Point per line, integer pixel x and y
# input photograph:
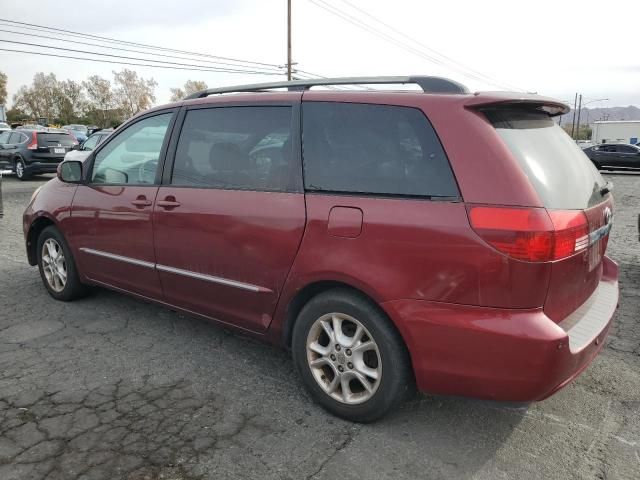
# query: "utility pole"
{"type": "Point", "coordinates": [578, 123]}
{"type": "Point", "coordinates": [289, 40]}
{"type": "Point", "coordinates": [573, 120]}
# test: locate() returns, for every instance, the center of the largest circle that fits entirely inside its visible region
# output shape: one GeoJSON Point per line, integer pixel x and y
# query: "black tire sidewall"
{"type": "Point", "coordinates": [73, 288]}
{"type": "Point", "coordinates": [25, 174]}
{"type": "Point", "coordinates": [396, 379]}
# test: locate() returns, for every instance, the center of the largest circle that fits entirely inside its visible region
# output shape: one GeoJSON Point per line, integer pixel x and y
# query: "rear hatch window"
{"type": "Point", "coordinates": [557, 168]}
{"type": "Point", "coordinates": [570, 187]}
{"type": "Point", "coordinates": [54, 139]}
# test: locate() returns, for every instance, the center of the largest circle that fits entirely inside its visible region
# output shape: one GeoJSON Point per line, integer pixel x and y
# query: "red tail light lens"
{"type": "Point", "coordinates": [34, 142]}
{"type": "Point", "coordinates": [531, 234]}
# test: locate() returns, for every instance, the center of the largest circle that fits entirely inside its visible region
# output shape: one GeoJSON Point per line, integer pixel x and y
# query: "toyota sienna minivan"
{"type": "Point", "coordinates": [433, 238]}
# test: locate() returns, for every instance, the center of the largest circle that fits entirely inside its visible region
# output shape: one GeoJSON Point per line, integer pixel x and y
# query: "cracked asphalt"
{"type": "Point", "coordinates": [110, 387]}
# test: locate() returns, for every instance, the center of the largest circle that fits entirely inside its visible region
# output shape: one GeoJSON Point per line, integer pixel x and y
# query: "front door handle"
{"type": "Point", "coordinates": [141, 201]}
{"type": "Point", "coordinates": [168, 203]}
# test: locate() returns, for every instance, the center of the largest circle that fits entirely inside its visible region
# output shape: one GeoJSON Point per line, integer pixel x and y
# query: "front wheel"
{"type": "Point", "coordinates": [350, 357]}
{"type": "Point", "coordinates": [21, 170]}
{"type": "Point", "coordinates": [57, 267]}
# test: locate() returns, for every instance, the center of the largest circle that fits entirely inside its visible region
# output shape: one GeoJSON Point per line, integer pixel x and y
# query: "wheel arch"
{"type": "Point", "coordinates": [311, 290]}
{"type": "Point", "coordinates": [36, 227]}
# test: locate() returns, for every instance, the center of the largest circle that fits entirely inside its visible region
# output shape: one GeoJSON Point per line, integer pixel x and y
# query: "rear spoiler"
{"type": "Point", "coordinates": [548, 105]}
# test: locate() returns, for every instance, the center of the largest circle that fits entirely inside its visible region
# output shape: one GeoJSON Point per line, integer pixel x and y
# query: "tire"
{"type": "Point", "coordinates": [50, 266]}
{"type": "Point", "coordinates": [319, 365]}
{"type": "Point", "coordinates": [21, 169]}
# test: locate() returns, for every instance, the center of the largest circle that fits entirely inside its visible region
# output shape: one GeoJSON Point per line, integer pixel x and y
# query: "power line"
{"type": "Point", "coordinates": [377, 32]}
{"type": "Point", "coordinates": [58, 39]}
{"type": "Point", "coordinates": [136, 44]}
{"type": "Point", "coordinates": [401, 33]}
{"type": "Point", "coordinates": [99, 60]}
{"type": "Point", "coordinates": [87, 52]}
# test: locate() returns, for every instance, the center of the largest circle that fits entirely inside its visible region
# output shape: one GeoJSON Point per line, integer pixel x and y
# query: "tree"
{"type": "Point", "coordinates": [39, 99]}
{"type": "Point", "coordinates": [190, 87]}
{"type": "Point", "coordinates": [132, 93]}
{"type": "Point", "coordinates": [100, 98]}
{"type": "Point", "coordinates": [70, 101]}
{"type": "Point", "coordinates": [3, 88]}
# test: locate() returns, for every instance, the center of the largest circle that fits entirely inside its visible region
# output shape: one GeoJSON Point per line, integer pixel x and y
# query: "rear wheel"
{"type": "Point", "coordinates": [57, 267]}
{"type": "Point", "coordinates": [21, 169]}
{"type": "Point", "coordinates": [351, 359]}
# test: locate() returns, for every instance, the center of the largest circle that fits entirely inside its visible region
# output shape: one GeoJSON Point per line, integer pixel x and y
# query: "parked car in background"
{"type": "Point", "coordinates": [82, 150]}
{"type": "Point", "coordinates": [398, 255]}
{"type": "Point", "coordinates": [79, 131]}
{"type": "Point", "coordinates": [29, 152]}
{"type": "Point", "coordinates": [610, 156]}
{"type": "Point", "coordinates": [4, 127]}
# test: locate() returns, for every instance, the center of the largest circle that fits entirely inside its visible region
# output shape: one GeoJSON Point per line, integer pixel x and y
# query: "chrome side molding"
{"type": "Point", "coordinates": [177, 271]}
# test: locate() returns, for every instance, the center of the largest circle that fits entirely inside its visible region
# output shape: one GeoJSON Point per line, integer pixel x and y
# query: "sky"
{"type": "Point", "coordinates": [555, 48]}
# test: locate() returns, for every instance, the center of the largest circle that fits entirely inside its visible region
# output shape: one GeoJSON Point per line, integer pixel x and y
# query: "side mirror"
{"type": "Point", "coordinates": [77, 146]}
{"type": "Point", "coordinates": [70, 171]}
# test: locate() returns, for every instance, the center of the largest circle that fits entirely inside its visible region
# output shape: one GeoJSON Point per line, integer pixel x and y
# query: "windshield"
{"type": "Point", "coordinates": [558, 169]}
{"type": "Point", "coordinates": [4, 125]}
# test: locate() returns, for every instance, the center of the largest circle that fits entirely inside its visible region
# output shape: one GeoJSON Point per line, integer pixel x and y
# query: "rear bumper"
{"type": "Point", "coordinates": [511, 355]}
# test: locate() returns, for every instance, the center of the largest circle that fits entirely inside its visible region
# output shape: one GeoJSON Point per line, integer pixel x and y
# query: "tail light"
{"type": "Point", "coordinates": [74, 139]}
{"type": "Point", "coordinates": [531, 234]}
{"type": "Point", "coordinates": [34, 142]}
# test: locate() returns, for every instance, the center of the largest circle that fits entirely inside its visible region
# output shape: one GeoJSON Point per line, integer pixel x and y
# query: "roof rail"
{"type": "Point", "coordinates": [428, 85]}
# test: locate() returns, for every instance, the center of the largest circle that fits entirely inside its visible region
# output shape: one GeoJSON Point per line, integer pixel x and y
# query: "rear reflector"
{"type": "Point", "coordinates": [531, 234]}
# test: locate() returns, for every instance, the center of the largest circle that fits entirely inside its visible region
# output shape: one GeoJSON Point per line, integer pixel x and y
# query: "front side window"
{"type": "Point", "coordinates": [373, 149]}
{"type": "Point", "coordinates": [90, 143]}
{"type": "Point", "coordinates": [238, 148]}
{"type": "Point", "coordinates": [132, 157]}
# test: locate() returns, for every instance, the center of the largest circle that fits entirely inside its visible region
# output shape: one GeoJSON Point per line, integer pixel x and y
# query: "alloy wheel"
{"type": "Point", "coordinates": [54, 265]}
{"type": "Point", "coordinates": [344, 358]}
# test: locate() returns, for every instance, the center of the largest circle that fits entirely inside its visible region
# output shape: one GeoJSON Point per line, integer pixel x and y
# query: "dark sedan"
{"type": "Point", "coordinates": [612, 156]}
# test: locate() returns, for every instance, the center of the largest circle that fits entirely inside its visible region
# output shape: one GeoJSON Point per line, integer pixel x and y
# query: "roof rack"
{"type": "Point", "coordinates": [428, 85]}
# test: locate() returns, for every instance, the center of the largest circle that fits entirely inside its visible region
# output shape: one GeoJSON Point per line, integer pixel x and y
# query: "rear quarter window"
{"type": "Point", "coordinates": [561, 173]}
{"type": "Point", "coordinates": [373, 149]}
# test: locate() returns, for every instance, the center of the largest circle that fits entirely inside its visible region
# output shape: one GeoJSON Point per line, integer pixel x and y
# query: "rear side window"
{"type": "Point", "coordinates": [4, 137]}
{"type": "Point", "coordinates": [373, 149]}
{"type": "Point", "coordinates": [558, 169]}
{"type": "Point", "coordinates": [237, 148]}
{"type": "Point", "coordinates": [54, 139]}
{"type": "Point", "coordinates": [16, 138]}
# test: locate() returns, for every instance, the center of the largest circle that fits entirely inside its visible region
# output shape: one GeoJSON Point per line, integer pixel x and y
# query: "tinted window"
{"type": "Point", "coordinates": [4, 137]}
{"type": "Point", "coordinates": [377, 149]}
{"type": "Point", "coordinates": [16, 138]}
{"type": "Point", "coordinates": [626, 149]}
{"type": "Point", "coordinates": [55, 139]}
{"type": "Point", "coordinates": [132, 157]}
{"type": "Point", "coordinates": [558, 169]}
{"type": "Point", "coordinates": [245, 148]}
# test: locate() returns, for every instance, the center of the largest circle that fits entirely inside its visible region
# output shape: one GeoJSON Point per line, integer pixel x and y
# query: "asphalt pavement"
{"type": "Point", "coordinates": [110, 387]}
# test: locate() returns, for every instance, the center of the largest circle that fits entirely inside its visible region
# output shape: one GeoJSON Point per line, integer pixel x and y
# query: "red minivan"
{"type": "Point", "coordinates": [389, 239]}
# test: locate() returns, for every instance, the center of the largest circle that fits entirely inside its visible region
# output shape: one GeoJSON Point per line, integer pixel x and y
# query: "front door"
{"type": "Point", "coordinates": [111, 227]}
{"type": "Point", "coordinates": [230, 215]}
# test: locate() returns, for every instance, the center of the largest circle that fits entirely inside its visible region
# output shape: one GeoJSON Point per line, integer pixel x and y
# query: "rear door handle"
{"type": "Point", "coordinates": [141, 201]}
{"type": "Point", "coordinates": [168, 203]}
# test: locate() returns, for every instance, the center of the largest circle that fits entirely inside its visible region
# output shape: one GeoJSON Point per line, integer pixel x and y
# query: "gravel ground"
{"type": "Point", "coordinates": [110, 387]}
